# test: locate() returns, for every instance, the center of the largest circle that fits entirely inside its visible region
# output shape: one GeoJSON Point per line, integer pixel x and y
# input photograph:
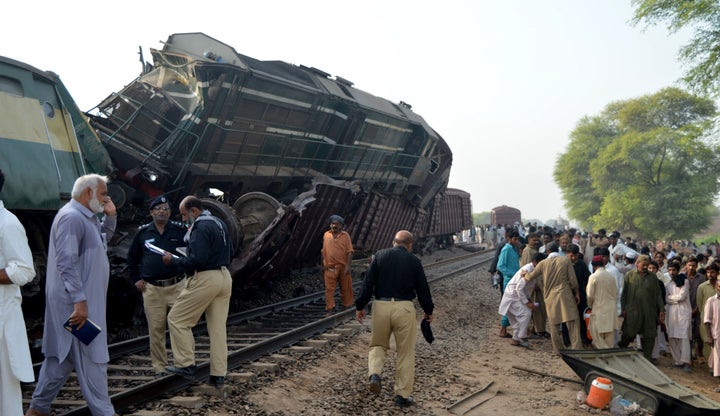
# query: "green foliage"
{"type": "Point", "coordinates": [643, 165]}
{"type": "Point", "coordinates": [702, 53]}
{"type": "Point", "coordinates": [707, 239]}
{"type": "Point", "coordinates": [712, 232]}
{"type": "Point", "coordinates": [481, 218]}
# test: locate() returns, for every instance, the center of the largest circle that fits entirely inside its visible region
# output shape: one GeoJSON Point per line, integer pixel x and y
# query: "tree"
{"type": "Point", "coordinates": [702, 53]}
{"type": "Point", "coordinates": [481, 218]}
{"type": "Point", "coordinates": [645, 165]}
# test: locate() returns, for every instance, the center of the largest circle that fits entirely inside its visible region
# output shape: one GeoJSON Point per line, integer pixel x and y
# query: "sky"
{"type": "Point", "coordinates": [503, 82]}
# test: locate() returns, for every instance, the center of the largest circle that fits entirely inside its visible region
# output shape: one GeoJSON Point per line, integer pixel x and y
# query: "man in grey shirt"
{"type": "Point", "coordinates": [78, 271]}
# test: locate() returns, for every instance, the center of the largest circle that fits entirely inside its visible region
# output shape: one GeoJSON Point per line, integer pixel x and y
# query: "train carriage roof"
{"type": "Point", "coordinates": [203, 47]}
{"type": "Point", "coordinates": [45, 74]}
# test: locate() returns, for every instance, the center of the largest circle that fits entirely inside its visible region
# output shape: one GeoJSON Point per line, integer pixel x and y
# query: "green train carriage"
{"type": "Point", "coordinates": [45, 145]}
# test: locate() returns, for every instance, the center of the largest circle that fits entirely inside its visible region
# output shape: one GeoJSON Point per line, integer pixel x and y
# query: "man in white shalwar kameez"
{"type": "Point", "coordinates": [678, 317]}
{"type": "Point", "coordinates": [16, 269]}
{"type": "Point", "coordinates": [602, 295]}
{"type": "Point", "coordinates": [516, 303]}
{"type": "Point", "coordinates": [712, 325]}
{"type": "Point", "coordinates": [619, 282]}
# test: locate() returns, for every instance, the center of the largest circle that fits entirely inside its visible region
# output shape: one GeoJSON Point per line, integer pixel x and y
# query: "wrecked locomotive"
{"type": "Point", "coordinates": [272, 148]}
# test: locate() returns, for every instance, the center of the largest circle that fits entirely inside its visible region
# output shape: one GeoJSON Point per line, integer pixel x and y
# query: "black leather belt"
{"type": "Point", "coordinates": [168, 282]}
{"type": "Point", "coordinates": [391, 299]}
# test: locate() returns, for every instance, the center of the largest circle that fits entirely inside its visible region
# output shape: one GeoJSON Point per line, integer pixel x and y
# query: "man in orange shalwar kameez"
{"type": "Point", "coordinates": [337, 253]}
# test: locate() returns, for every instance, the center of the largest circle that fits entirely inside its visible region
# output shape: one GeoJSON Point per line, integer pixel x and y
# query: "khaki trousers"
{"type": "Point", "coordinates": [157, 300]}
{"type": "Point", "coordinates": [602, 340]}
{"type": "Point", "coordinates": [207, 292]}
{"type": "Point", "coordinates": [539, 315]}
{"type": "Point", "coordinates": [396, 318]}
{"type": "Point", "coordinates": [573, 331]}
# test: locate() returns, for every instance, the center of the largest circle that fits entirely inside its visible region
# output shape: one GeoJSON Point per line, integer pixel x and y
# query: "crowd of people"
{"type": "Point", "coordinates": [662, 297]}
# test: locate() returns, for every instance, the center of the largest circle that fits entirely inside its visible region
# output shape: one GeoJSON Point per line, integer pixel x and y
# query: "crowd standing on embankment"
{"type": "Point", "coordinates": [660, 294]}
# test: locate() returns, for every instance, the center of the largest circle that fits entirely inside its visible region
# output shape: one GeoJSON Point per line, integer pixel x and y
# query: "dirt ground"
{"type": "Point", "coordinates": [467, 357]}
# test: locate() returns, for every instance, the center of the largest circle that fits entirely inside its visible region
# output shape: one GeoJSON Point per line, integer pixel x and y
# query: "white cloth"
{"type": "Point", "coordinates": [619, 249]}
{"type": "Point", "coordinates": [680, 351]}
{"type": "Point", "coordinates": [624, 267]}
{"type": "Point", "coordinates": [15, 361]}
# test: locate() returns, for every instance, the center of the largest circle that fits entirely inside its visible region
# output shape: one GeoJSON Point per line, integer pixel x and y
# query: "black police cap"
{"type": "Point", "coordinates": [157, 201]}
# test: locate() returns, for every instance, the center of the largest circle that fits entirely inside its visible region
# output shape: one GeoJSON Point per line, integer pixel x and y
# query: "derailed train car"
{"type": "Point", "coordinates": [285, 145]}
{"type": "Point", "coordinates": [45, 144]}
{"type": "Point", "coordinates": [273, 149]}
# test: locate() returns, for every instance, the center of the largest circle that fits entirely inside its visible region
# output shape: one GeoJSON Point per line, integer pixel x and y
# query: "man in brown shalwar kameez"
{"type": "Point", "coordinates": [560, 290]}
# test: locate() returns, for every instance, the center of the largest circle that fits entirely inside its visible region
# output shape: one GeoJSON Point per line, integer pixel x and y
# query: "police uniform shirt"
{"type": "Point", "coordinates": [148, 266]}
{"type": "Point", "coordinates": [396, 273]}
{"type": "Point", "coordinates": [209, 246]}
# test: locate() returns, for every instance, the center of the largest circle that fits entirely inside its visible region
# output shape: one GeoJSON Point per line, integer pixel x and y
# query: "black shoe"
{"type": "Point", "coordinates": [403, 402]}
{"type": "Point", "coordinates": [216, 381]}
{"type": "Point", "coordinates": [187, 372]}
{"type": "Point", "coordinates": [375, 384]}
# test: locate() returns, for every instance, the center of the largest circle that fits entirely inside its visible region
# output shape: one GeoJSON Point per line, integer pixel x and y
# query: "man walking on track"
{"type": "Point", "coordinates": [394, 277]}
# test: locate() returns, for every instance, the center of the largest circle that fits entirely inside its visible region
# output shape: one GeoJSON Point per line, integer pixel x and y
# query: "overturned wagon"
{"type": "Point", "coordinates": [285, 146]}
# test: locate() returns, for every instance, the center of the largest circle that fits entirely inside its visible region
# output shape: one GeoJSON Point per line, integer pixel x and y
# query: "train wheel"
{"type": "Point", "coordinates": [255, 211]}
{"type": "Point", "coordinates": [37, 231]}
{"type": "Point", "coordinates": [118, 194]}
{"type": "Point", "coordinates": [227, 215]}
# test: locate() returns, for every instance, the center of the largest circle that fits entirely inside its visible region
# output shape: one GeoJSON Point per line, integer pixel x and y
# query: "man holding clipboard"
{"type": "Point", "coordinates": [77, 278]}
{"type": "Point", "coordinates": [207, 291]}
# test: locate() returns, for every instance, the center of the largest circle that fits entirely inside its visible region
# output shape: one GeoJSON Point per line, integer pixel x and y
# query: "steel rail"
{"type": "Point", "coordinates": [312, 321]}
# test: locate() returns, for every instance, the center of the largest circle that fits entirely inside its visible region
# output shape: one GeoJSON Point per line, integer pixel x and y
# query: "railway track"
{"type": "Point", "coordinates": [252, 334]}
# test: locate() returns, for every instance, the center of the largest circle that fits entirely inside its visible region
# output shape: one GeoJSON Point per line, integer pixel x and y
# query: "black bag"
{"type": "Point", "coordinates": [427, 331]}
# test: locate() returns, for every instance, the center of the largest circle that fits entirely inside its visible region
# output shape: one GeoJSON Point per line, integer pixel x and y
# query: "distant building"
{"type": "Point", "coordinates": [504, 215]}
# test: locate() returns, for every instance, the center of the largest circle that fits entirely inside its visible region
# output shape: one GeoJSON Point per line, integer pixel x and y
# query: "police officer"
{"type": "Point", "coordinates": [207, 291]}
{"type": "Point", "coordinates": [159, 284]}
{"type": "Point", "coordinates": [395, 277]}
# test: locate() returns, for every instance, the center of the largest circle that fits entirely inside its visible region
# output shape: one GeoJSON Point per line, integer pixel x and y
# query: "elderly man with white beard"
{"type": "Point", "coordinates": [78, 272]}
